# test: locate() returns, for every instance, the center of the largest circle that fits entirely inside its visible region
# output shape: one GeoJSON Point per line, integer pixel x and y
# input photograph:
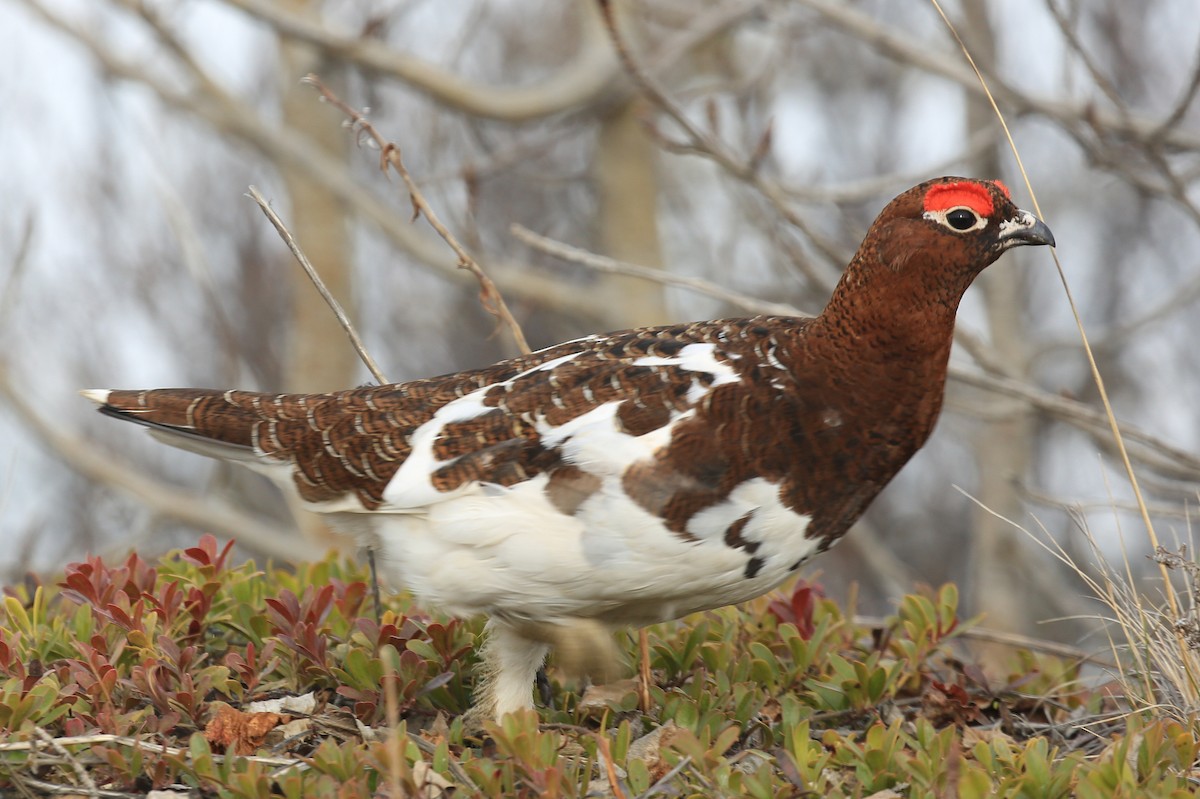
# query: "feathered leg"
{"type": "Point", "coordinates": [509, 665]}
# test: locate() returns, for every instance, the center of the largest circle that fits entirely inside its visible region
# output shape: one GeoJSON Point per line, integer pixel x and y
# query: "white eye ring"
{"type": "Point", "coordinates": [953, 217]}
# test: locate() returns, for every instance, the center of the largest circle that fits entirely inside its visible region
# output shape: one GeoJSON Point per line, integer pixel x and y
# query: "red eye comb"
{"type": "Point", "coordinates": [973, 195]}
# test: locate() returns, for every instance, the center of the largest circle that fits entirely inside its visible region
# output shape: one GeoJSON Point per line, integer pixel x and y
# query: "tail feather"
{"type": "Point", "coordinates": [286, 437]}
{"type": "Point", "coordinates": [203, 421]}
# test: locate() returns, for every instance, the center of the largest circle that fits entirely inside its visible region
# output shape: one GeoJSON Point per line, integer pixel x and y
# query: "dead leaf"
{"type": "Point", "coordinates": [648, 749]}
{"type": "Point", "coordinates": [430, 784]}
{"type": "Point", "coordinates": [293, 728]}
{"type": "Point", "coordinates": [301, 705]}
{"type": "Point", "coordinates": [945, 704]}
{"type": "Point", "coordinates": [770, 712]}
{"type": "Point", "coordinates": [438, 731]}
{"type": "Point", "coordinates": [233, 730]}
{"type": "Point", "coordinates": [602, 697]}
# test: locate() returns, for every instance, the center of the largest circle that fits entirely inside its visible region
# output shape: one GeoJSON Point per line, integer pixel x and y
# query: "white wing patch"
{"type": "Point", "coordinates": [592, 440]}
{"type": "Point", "coordinates": [699, 358]}
{"type": "Point", "coordinates": [411, 487]}
{"type": "Point", "coordinates": [594, 443]}
{"type": "Point", "coordinates": [754, 495]}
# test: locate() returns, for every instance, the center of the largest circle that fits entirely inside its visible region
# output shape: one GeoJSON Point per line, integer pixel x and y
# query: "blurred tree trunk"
{"type": "Point", "coordinates": [626, 179]}
{"type": "Point", "coordinates": [319, 357]}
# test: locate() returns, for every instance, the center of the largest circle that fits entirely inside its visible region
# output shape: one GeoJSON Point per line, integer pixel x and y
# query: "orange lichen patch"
{"type": "Point", "coordinates": [955, 195]}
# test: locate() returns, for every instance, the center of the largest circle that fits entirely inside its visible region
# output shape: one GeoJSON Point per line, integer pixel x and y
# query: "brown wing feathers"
{"type": "Point", "coordinates": [352, 442]}
{"type": "Point", "coordinates": [199, 413]}
{"type": "Point", "coordinates": [347, 442]}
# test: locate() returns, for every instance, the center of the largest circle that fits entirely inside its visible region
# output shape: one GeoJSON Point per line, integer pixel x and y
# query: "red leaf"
{"type": "Point", "coordinates": [798, 608]}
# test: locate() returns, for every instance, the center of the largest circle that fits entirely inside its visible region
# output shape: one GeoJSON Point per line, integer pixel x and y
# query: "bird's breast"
{"type": "Point", "coordinates": [522, 552]}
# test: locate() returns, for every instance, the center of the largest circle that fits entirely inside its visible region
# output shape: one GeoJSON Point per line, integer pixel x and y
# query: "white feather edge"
{"type": "Point", "coordinates": [96, 395]}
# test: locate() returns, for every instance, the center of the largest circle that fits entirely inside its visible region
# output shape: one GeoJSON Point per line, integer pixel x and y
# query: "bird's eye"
{"type": "Point", "coordinates": [962, 219]}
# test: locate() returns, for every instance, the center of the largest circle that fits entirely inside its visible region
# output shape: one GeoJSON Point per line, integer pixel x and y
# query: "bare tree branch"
{"type": "Point", "coordinates": [858, 191]}
{"type": "Point", "coordinates": [315, 277]}
{"type": "Point", "coordinates": [703, 143]}
{"type": "Point", "coordinates": [602, 263]}
{"type": "Point", "coordinates": [578, 83]}
{"type": "Point", "coordinates": [489, 296]}
{"type": "Point", "coordinates": [1068, 113]}
{"type": "Point", "coordinates": [226, 113]}
{"type": "Point", "coordinates": [1185, 464]}
{"type": "Point", "coordinates": [1118, 336]}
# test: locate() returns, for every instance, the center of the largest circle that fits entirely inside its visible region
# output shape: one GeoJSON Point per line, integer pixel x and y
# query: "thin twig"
{"type": "Point", "coordinates": [1014, 640]}
{"type": "Point", "coordinates": [355, 341]}
{"type": "Point", "coordinates": [665, 779]}
{"type": "Point", "coordinates": [309, 270]}
{"type": "Point", "coordinates": [645, 676]}
{"type": "Point", "coordinates": [489, 296]}
{"type": "Point", "coordinates": [702, 143]}
{"type": "Point", "coordinates": [602, 263]}
{"type": "Point", "coordinates": [51, 789]}
{"type": "Point", "coordinates": [147, 746]}
{"type": "Point", "coordinates": [1161, 510]}
{"type": "Point", "coordinates": [602, 748]}
{"type": "Point", "coordinates": [85, 781]}
{"type": "Point", "coordinates": [1071, 37]}
{"type": "Point", "coordinates": [1184, 102]}
{"type": "Point", "coordinates": [609, 767]}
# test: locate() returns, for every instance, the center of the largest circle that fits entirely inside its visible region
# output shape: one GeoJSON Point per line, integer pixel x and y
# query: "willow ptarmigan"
{"type": "Point", "coordinates": [634, 477]}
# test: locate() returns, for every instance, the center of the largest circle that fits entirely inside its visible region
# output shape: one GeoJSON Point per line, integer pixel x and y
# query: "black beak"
{"type": "Point", "coordinates": [1022, 230]}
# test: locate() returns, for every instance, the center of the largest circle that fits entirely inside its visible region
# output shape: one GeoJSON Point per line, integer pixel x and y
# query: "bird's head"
{"type": "Point", "coordinates": [929, 243]}
{"type": "Point", "coordinates": [958, 221]}
{"type": "Point", "coordinates": [978, 213]}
